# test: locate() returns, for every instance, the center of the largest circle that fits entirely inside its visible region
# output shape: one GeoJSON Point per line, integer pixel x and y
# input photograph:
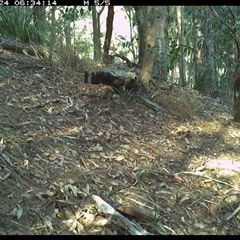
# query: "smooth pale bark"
{"type": "Point", "coordinates": [149, 56]}
{"type": "Point", "coordinates": [161, 42]}
{"type": "Point", "coordinates": [197, 53]}
{"type": "Point", "coordinates": [180, 23]}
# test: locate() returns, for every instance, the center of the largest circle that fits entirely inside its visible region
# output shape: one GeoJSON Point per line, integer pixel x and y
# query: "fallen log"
{"type": "Point", "coordinates": [19, 47]}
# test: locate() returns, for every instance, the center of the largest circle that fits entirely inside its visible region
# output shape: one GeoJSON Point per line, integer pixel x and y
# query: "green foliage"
{"type": "Point", "coordinates": [73, 13]}
{"type": "Point", "coordinates": [237, 94]}
{"type": "Point", "coordinates": [174, 52]}
{"type": "Point", "coordinates": [17, 22]}
{"type": "Point", "coordinates": [200, 80]}
{"type": "Point", "coordinates": [125, 43]}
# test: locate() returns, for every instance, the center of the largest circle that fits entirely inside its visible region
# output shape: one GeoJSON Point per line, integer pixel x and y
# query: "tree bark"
{"type": "Point", "coordinates": [212, 86]}
{"type": "Point", "coordinates": [181, 42]}
{"type": "Point", "coordinates": [236, 107]}
{"type": "Point", "coordinates": [39, 18]}
{"type": "Point", "coordinates": [161, 36]}
{"type": "Point", "coordinates": [197, 58]}
{"type": "Point", "coordinates": [52, 36]}
{"type": "Point", "coordinates": [148, 62]}
{"type": "Point", "coordinates": [108, 36]}
{"type": "Point", "coordinates": [141, 19]}
{"type": "Point", "coordinates": [96, 33]}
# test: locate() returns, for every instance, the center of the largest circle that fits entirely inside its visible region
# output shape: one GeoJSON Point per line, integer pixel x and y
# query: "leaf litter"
{"type": "Point", "coordinates": [164, 170]}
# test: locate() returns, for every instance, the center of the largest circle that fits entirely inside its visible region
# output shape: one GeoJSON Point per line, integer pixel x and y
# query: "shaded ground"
{"type": "Point", "coordinates": [62, 140]}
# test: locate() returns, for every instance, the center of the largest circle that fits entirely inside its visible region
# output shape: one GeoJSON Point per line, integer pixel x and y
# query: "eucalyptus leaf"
{"type": "Point", "coordinates": [237, 94]}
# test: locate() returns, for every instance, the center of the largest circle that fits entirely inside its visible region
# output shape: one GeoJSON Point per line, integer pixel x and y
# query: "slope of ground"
{"type": "Point", "coordinates": [61, 141]}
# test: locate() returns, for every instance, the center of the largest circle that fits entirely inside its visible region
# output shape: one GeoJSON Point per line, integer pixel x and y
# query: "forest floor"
{"type": "Point", "coordinates": [62, 141]}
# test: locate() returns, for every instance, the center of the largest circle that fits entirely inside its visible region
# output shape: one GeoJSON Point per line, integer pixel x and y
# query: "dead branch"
{"type": "Point", "coordinates": [200, 175]}
{"type": "Point", "coordinates": [234, 213]}
{"type": "Point", "coordinates": [16, 46]}
{"type": "Point", "coordinates": [45, 103]}
{"type": "Point", "coordinates": [118, 218]}
{"type": "Point", "coordinates": [151, 104]}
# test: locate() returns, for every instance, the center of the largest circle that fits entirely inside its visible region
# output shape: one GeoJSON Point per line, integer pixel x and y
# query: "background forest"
{"type": "Point", "coordinates": [192, 45]}
{"type": "Point", "coordinates": [118, 120]}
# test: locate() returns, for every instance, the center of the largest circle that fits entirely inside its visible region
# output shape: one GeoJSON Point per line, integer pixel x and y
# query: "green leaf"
{"type": "Point", "coordinates": [81, 11]}
{"type": "Point", "coordinates": [237, 94]}
{"type": "Point", "coordinates": [19, 211]}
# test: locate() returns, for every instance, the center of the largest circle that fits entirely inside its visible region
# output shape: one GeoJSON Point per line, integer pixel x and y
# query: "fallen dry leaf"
{"type": "Point", "coordinates": [178, 178]}
{"type": "Point", "coordinates": [120, 158]}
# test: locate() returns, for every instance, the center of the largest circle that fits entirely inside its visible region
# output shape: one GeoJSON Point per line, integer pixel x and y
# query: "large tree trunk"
{"type": "Point", "coordinates": [68, 40]}
{"type": "Point", "coordinates": [148, 62]}
{"type": "Point", "coordinates": [96, 33]}
{"type": "Point", "coordinates": [198, 85]}
{"type": "Point", "coordinates": [141, 18]}
{"type": "Point", "coordinates": [236, 108]}
{"type": "Point", "coordinates": [39, 18]}
{"type": "Point", "coordinates": [212, 83]}
{"type": "Point", "coordinates": [130, 12]}
{"type": "Point", "coordinates": [108, 36]}
{"type": "Point", "coordinates": [180, 23]}
{"type": "Point", "coordinates": [161, 37]}
{"type": "Point", "coordinates": [53, 34]}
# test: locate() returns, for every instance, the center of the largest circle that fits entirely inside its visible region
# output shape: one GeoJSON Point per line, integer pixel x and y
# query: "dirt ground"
{"type": "Point", "coordinates": [61, 141]}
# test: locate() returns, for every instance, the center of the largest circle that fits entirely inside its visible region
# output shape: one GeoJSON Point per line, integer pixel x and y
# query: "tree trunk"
{"type": "Point", "coordinates": [141, 18]}
{"type": "Point", "coordinates": [197, 58]}
{"type": "Point", "coordinates": [39, 18]}
{"type": "Point", "coordinates": [96, 33]}
{"type": "Point", "coordinates": [161, 36]}
{"type": "Point", "coordinates": [211, 84]}
{"type": "Point", "coordinates": [148, 62]}
{"type": "Point", "coordinates": [236, 107]}
{"type": "Point", "coordinates": [130, 13]}
{"type": "Point", "coordinates": [108, 36]}
{"type": "Point", "coordinates": [68, 35]}
{"type": "Point", "coordinates": [181, 43]}
{"type": "Point", "coordinates": [53, 34]}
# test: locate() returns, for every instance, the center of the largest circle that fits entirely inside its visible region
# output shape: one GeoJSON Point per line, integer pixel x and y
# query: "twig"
{"type": "Point", "coordinates": [197, 174]}
{"type": "Point", "coordinates": [45, 103]}
{"type": "Point", "coordinates": [234, 212]}
{"type": "Point", "coordinates": [151, 104]}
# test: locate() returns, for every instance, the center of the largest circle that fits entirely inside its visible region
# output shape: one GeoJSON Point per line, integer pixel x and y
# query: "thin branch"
{"type": "Point", "coordinates": [203, 176]}
{"type": "Point", "coordinates": [232, 30]}
{"type": "Point", "coordinates": [224, 23]}
{"type": "Point", "coordinates": [233, 16]}
{"type": "Point", "coordinates": [234, 213]}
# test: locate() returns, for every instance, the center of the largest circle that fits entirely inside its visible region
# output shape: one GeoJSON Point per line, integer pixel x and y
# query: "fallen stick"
{"type": "Point", "coordinates": [153, 105]}
{"type": "Point", "coordinates": [118, 218]}
{"type": "Point", "coordinates": [203, 176]}
{"type": "Point", "coordinates": [234, 213]}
